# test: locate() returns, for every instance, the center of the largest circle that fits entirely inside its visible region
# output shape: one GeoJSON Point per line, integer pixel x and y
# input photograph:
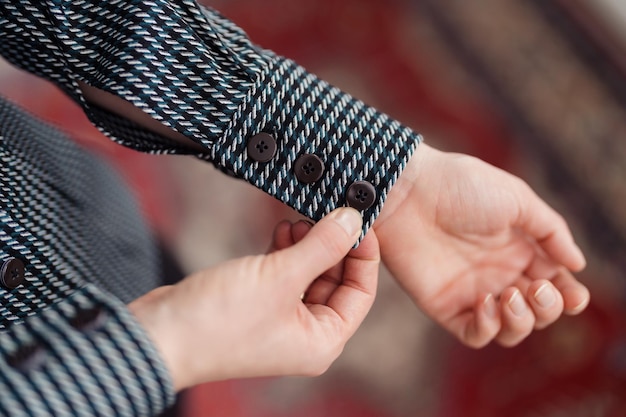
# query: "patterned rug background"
{"type": "Point", "coordinates": [517, 83]}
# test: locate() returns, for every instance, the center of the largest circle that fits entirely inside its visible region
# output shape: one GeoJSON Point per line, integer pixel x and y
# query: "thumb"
{"type": "Point", "coordinates": [325, 245]}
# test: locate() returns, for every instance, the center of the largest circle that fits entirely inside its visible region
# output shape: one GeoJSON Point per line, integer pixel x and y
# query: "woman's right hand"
{"type": "Point", "coordinates": [246, 317]}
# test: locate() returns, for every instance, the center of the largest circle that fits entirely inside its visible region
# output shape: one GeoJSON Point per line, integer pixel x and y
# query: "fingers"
{"type": "Point", "coordinates": [353, 299]}
{"type": "Point", "coordinates": [520, 309]}
{"type": "Point", "coordinates": [323, 246]}
{"type": "Point", "coordinates": [346, 279]}
{"type": "Point", "coordinates": [478, 327]}
{"type": "Point", "coordinates": [541, 267]}
{"type": "Point", "coordinates": [321, 289]}
{"type": "Point", "coordinates": [286, 235]}
{"type": "Point", "coordinates": [575, 295]}
{"type": "Point", "coordinates": [550, 230]}
{"type": "Point", "coordinates": [516, 316]}
{"type": "Point", "coordinates": [545, 302]}
{"type": "Point", "coordinates": [282, 237]}
{"type": "Point", "coordinates": [540, 304]}
{"type": "Point", "coordinates": [508, 320]}
{"type": "Point", "coordinates": [360, 262]}
{"type": "Point", "coordinates": [348, 287]}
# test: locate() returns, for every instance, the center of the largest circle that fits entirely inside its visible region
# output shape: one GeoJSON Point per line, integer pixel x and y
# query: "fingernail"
{"type": "Point", "coordinates": [580, 307]}
{"type": "Point", "coordinates": [349, 219]}
{"type": "Point", "coordinates": [545, 296]}
{"type": "Point", "coordinates": [517, 304]}
{"type": "Point", "coordinates": [491, 310]}
{"type": "Point", "coordinates": [309, 223]}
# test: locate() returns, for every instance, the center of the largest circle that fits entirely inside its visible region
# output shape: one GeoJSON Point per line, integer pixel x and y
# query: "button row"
{"type": "Point", "coordinates": [309, 168]}
{"type": "Point", "coordinates": [32, 356]}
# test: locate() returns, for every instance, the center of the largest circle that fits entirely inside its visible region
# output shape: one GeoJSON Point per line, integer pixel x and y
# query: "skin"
{"type": "Point", "coordinates": [245, 318]}
{"type": "Point", "coordinates": [475, 248]}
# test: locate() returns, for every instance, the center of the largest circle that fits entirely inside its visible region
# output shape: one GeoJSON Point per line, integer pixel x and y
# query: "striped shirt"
{"type": "Point", "coordinates": [68, 345]}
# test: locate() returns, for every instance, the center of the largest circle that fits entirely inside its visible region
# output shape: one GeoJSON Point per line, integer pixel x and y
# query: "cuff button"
{"type": "Point", "coordinates": [262, 147]}
{"type": "Point", "coordinates": [308, 168]}
{"type": "Point", "coordinates": [27, 358]}
{"type": "Point", "coordinates": [88, 319]}
{"type": "Point", "coordinates": [361, 195]}
{"type": "Point", "coordinates": [12, 273]}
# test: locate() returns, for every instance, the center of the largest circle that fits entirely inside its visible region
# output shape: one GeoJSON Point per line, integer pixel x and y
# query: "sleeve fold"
{"type": "Point", "coordinates": [199, 74]}
{"type": "Point", "coordinates": [307, 116]}
{"type": "Point", "coordinates": [83, 356]}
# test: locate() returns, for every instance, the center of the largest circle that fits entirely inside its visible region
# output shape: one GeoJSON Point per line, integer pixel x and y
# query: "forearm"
{"type": "Point", "coordinates": [203, 80]}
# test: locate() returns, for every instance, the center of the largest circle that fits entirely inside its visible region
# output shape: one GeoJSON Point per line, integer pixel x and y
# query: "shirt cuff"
{"type": "Point", "coordinates": [312, 146]}
{"type": "Point", "coordinates": [83, 356]}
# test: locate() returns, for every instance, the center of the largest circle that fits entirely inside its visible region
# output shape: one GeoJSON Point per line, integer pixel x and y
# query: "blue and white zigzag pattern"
{"type": "Point", "coordinates": [199, 74]}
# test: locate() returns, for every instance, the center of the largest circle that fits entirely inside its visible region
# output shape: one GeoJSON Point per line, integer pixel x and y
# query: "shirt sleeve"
{"type": "Point", "coordinates": [83, 356]}
{"type": "Point", "coordinates": [260, 117]}
{"type": "Point", "coordinates": [69, 347]}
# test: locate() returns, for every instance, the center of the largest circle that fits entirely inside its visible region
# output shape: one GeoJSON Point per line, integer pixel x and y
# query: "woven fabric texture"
{"type": "Point", "coordinates": [83, 243]}
{"type": "Point", "coordinates": [111, 371]}
{"type": "Point", "coordinates": [199, 74]}
{"type": "Point", "coordinates": [79, 234]}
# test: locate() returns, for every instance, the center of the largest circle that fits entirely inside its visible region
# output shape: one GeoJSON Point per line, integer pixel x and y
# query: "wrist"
{"type": "Point", "coordinates": [154, 314]}
{"type": "Point", "coordinates": [406, 182]}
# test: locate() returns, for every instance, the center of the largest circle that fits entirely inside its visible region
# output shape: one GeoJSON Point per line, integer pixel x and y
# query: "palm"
{"type": "Point", "coordinates": [459, 229]}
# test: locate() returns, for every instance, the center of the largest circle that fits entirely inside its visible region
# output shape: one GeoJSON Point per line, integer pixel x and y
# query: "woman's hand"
{"type": "Point", "coordinates": [247, 318]}
{"type": "Point", "coordinates": [478, 250]}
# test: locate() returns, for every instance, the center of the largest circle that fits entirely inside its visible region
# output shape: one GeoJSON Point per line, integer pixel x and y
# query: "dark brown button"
{"type": "Point", "coordinates": [12, 273]}
{"type": "Point", "coordinates": [361, 195]}
{"type": "Point", "coordinates": [88, 319]}
{"type": "Point", "coordinates": [262, 147]}
{"type": "Point", "coordinates": [308, 168]}
{"type": "Point", "coordinates": [27, 358]}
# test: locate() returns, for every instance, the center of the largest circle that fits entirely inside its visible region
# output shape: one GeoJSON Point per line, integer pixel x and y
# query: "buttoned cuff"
{"type": "Point", "coordinates": [84, 356]}
{"type": "Point", "coordinates": [312, 146]}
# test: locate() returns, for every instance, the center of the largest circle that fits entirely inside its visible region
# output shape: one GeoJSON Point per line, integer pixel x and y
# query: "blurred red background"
{"type": "Point", "coordinates": [537, 88]}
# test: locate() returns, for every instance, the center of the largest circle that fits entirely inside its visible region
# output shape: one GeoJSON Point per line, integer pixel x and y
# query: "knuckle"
{"type": "Point", "coordinates": [515, 339]}
{"type": "Point", "coordinates": [507, 343]}
{"type": "Point", "coordinates": [478, 343]}
{"type": "Point", "coordinates": [511, 340]}
{"type": "Point", "coordinates": [547, 319]}
{"type": "Point", "coordinates": [514, 336]}
{"type": "Point", "coordinates": [478, 338]}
